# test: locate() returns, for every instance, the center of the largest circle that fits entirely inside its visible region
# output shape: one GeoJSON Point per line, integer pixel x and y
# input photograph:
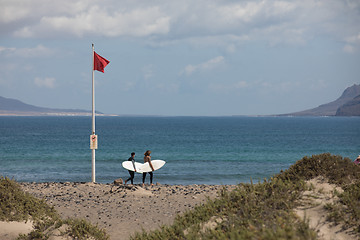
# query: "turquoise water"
{"type": "Point", "coordinates": [198, 150]}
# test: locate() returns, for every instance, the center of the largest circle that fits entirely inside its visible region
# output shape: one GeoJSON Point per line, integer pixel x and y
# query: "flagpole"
{"type": "Point", "coordinates": [93, 119]}
{"type": "Point", "coordinates": [99, 63]}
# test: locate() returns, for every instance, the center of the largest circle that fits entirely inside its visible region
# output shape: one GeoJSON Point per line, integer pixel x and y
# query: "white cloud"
{"type": "Point", "coordinates": [110, 18]}
{"type": "Point", "coordinates": [38, 51]}
{"type": "Point", "coordinates": [45, 82]}
{"type": "Point", "coordinates": [4, 50]}
{"type": "Point", "coordinates": [138, 22]}
{"type": "Point", "coordinates": [10, 12]}
{"type": "Point", "coordinates": [208, 65]}
{"type": "Point", "coordinates": [276, 21]}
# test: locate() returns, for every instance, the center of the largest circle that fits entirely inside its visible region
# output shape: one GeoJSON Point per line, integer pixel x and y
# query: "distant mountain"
{"type": "Point", "coordinates": [9, 106]}
{"type": "Point", "coordinates": [351, 108]}
{"type": "Point", "coordinates": [339, 107]}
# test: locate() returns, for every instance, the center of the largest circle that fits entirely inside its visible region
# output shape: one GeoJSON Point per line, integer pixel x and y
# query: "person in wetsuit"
{"type": "Point", "coordinates": [132, 173]}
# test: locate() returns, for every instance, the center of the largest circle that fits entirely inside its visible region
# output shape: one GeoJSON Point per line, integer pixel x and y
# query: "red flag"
{"type": "Point", "coordinates": [100, 62]}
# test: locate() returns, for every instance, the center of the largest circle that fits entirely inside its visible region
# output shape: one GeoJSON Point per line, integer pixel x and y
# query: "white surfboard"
{"type": "Point", "coordinates": [129, 166]}
{"type": "Point", "coordinates": [157, 164]}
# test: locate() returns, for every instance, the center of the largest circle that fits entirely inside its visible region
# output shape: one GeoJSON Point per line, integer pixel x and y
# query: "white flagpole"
{"type": "Point", "coordinates": [93, 119]}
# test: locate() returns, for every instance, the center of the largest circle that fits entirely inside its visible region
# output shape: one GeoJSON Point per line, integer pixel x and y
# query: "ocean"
{"type": "Point", "coordinates": [197, 150]}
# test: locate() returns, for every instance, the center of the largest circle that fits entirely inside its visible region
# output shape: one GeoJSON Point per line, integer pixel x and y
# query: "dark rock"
{"type": "Point", "coordinates": [118, 181]}
{"type": "Point", "coordinates": [351, 108]}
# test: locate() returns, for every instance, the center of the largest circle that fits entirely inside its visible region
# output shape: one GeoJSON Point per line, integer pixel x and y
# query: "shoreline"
{"type": "Point", "coordinates": [156, 184]}
{"type": "Point", "coordinates": [122, 210]}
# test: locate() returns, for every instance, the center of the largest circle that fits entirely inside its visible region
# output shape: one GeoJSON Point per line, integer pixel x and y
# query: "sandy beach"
{"type": "Point", "coordinates": [122, 210]}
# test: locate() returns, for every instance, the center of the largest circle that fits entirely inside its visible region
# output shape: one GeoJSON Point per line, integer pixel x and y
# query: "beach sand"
{"type": "Point", "coordinates": [125, 209]}
{"type": "Point", "coordinates": [122, 210]}
{"type": "Point", "coordinates": [312, 208]}
{"type": "Point", "coordinates": [11, 230]}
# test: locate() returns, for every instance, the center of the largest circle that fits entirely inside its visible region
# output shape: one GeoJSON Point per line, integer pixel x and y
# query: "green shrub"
{"type": "Point", "coordinates": [347, 209]}
{"type": "Point", "coordinates": [16, 205]}
{"type": "Point", "coordinates": [265, 210]}
{"type": "Point", "coordinates": [251, 211]}
{"type": "Point", "coordinates": [82, 229]}
{"type": "Point", "coordinates": [336, 169]}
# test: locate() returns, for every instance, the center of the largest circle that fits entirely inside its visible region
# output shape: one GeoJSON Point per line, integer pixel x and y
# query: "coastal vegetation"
{"type": "Point", "coordinates": [262, 210]}
{"type": "Point", "coordinates": [266, 210]}
{"type": "Point", "coordinates": [16, 205]}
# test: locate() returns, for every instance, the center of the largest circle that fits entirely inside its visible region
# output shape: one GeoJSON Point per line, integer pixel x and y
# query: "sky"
{"type": "Point", "coordinates": [180, 58]}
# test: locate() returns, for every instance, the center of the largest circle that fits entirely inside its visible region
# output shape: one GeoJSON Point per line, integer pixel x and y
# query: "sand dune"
{"type": "Point", "coordinates": [122, 210]}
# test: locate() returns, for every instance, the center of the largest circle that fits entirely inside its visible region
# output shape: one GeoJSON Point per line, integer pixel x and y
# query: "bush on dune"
{"type": "Point", "coordinates": [16, 205]}
{"type": "Point", "coordinates": [265, 210]}
{"type": "Point", "coordinates": [339, 171]}
{"type": "Point", "coordinates": [251, 211]}
{"type": "Point", "coordinates": [336, 169]}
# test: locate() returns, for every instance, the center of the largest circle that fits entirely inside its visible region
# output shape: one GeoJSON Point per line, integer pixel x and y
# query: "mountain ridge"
{"type": "Point", "coordinates": [348, 104]}
{"type": "Point", "coordinates": [351, 108]}
{"type": "Point", "coordinates": [331, 108]}
{"type": "Point", "coordinates": [9, 106]}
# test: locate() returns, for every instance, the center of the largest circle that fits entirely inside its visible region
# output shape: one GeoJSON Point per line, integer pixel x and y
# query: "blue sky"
{"type": "Point", "coordinates": [179, 58]}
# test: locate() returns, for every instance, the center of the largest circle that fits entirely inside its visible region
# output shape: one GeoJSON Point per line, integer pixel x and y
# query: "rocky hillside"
{"type": "Point", "coordinates": [351, 108]}
{"type": "Point", "coordinates": [9, 106]}
{"type": "Point", "coordinates": [345, 105]}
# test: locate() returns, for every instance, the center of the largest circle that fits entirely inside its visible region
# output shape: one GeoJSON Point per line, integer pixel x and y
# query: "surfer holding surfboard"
{"type": "Point", "coordinates": [147, 159]}
{"type": "Point", "coordinates": [147, 167]}
{"type": "Point", "coordinates": [132, 173]}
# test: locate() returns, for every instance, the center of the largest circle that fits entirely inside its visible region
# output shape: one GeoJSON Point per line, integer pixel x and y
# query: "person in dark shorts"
{"type": "Point", "coordinates": [147, 158]}
{"type": "Point", "coordinates": [132, 173]}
